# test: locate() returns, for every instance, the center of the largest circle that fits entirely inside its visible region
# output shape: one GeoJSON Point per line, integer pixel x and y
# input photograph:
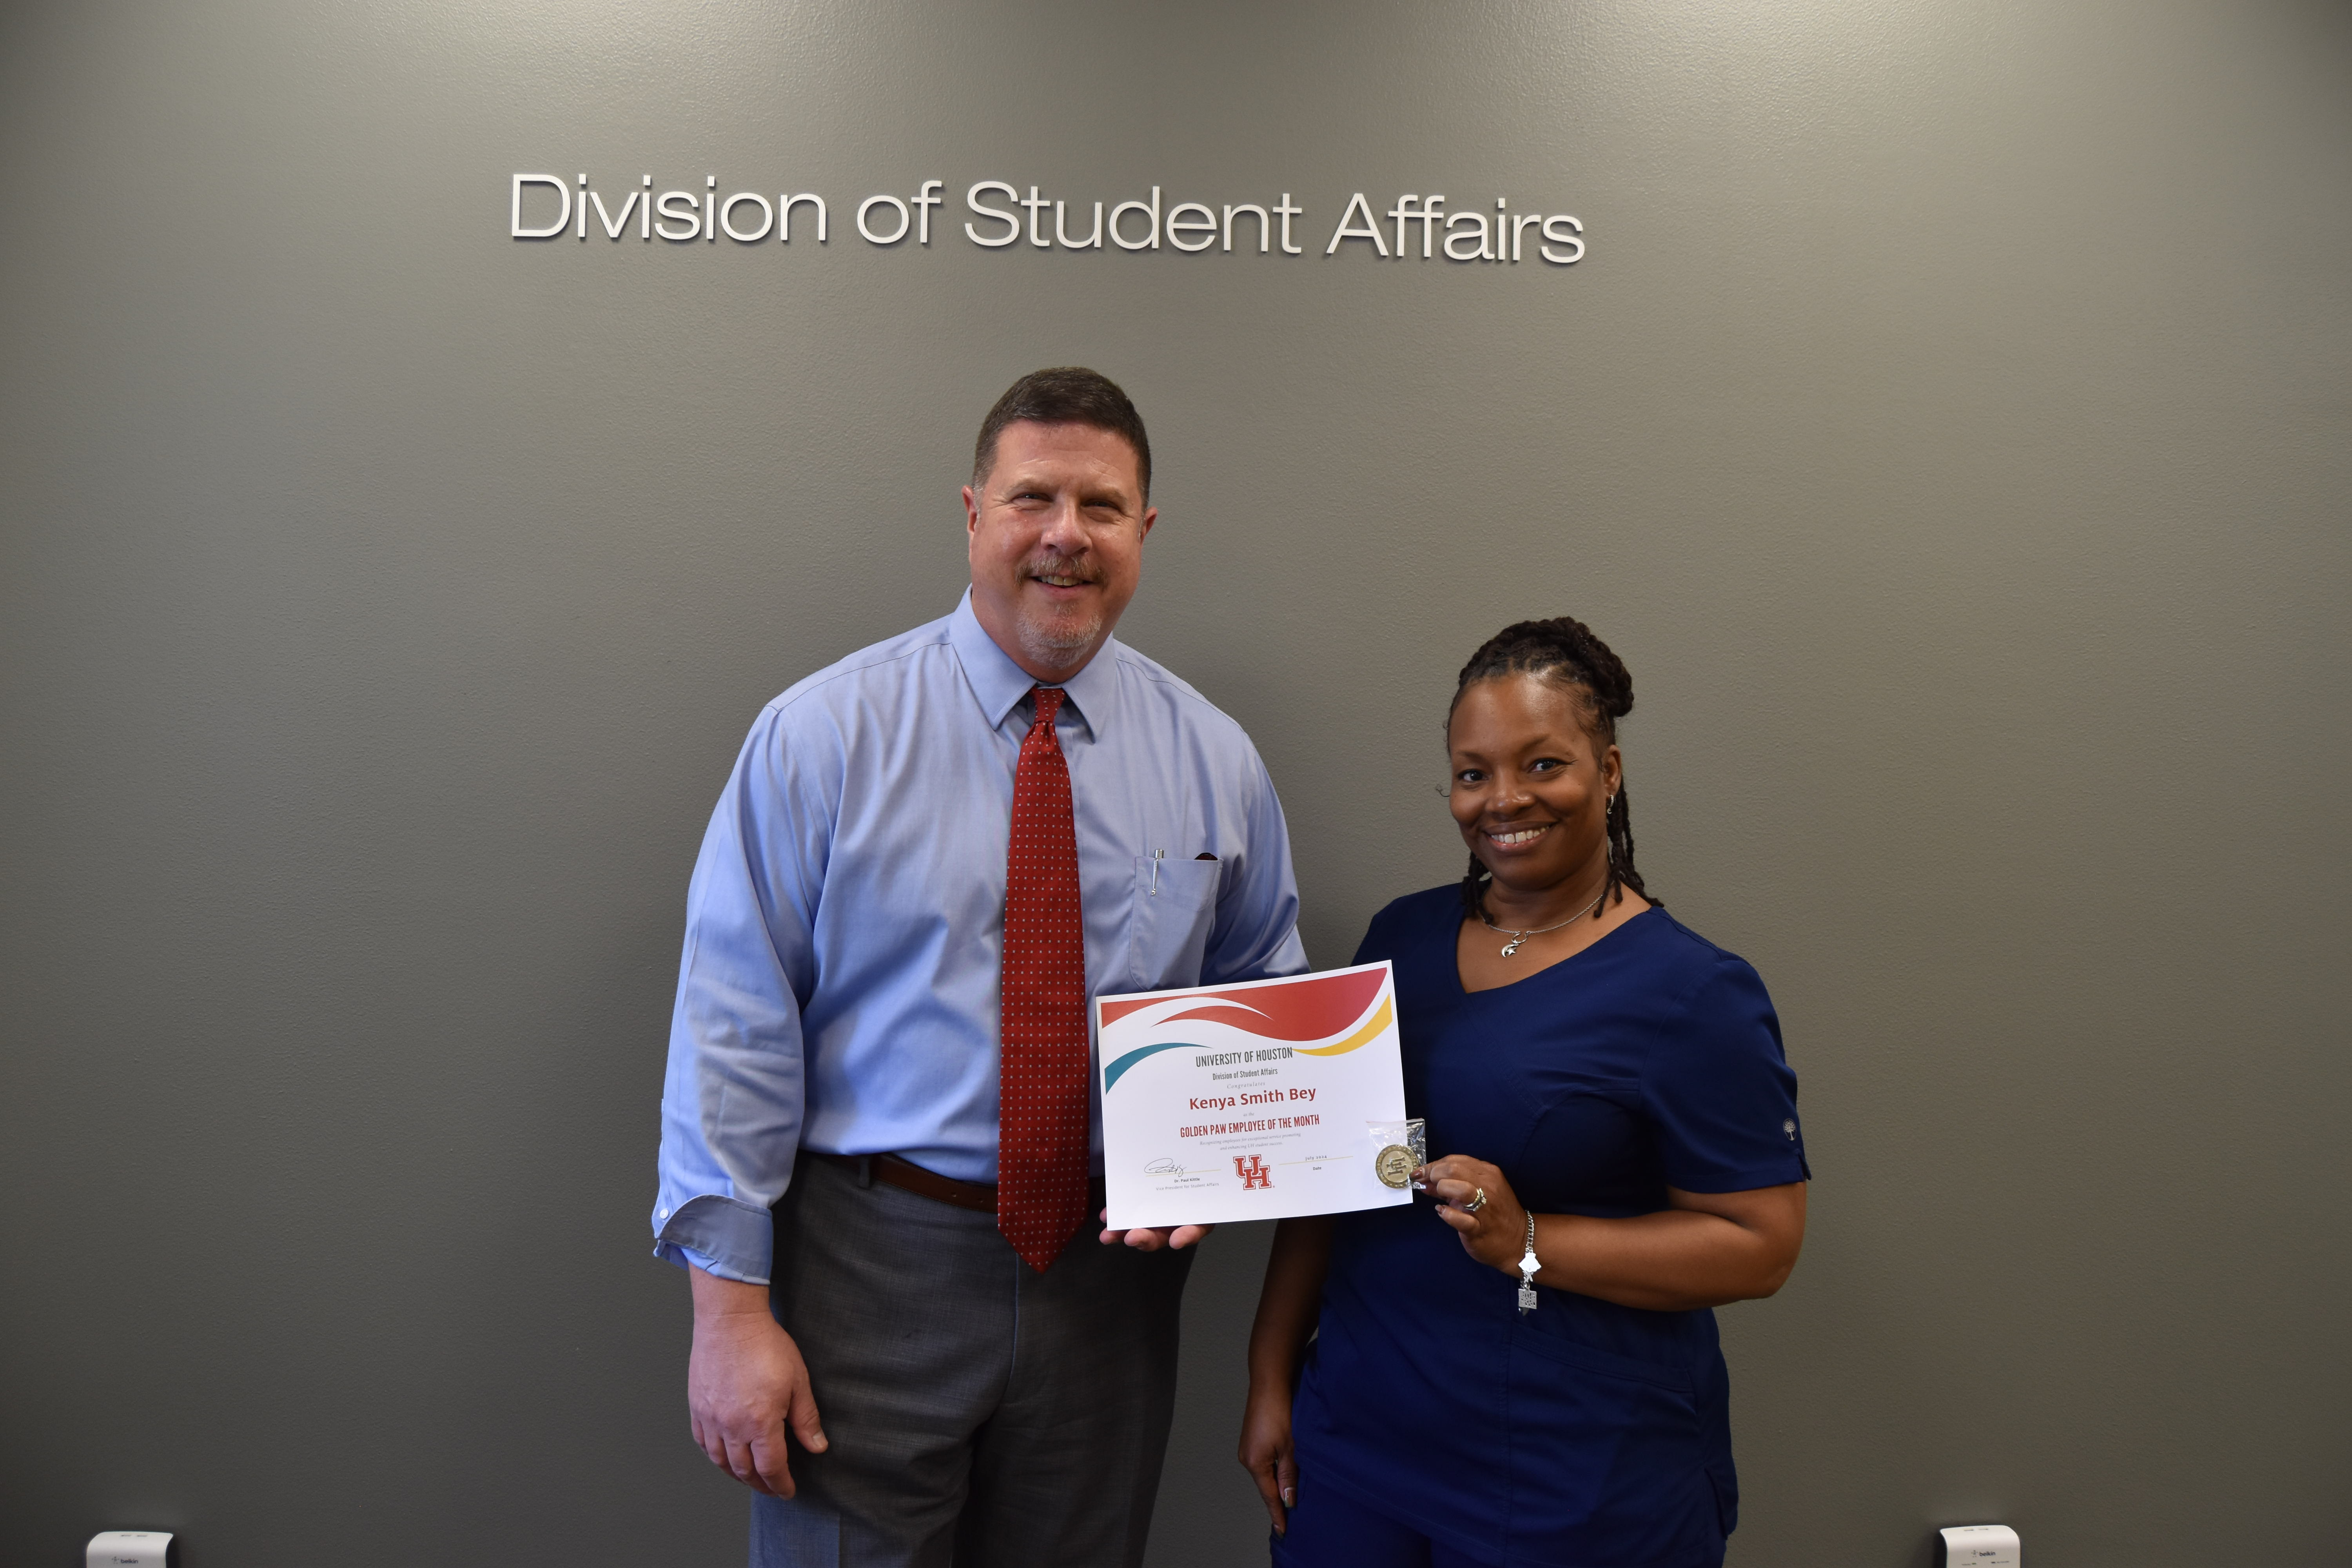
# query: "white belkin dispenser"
{"type": "Point", "coordinates": [132, 1549]}
{"type": "Point", "coordinates": [1980, 1546]}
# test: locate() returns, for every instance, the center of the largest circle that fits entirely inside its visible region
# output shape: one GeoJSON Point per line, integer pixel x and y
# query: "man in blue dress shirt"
{"type": "Point", "coordinates": [830, 1119]}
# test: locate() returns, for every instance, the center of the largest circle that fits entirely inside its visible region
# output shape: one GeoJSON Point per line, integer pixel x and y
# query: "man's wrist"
{"type": "Point", "coordinates": [717, 1297]}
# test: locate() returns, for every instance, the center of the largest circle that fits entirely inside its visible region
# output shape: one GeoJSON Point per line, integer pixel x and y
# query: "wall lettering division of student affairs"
{"type": "Point", "coordinates": [550, 207]}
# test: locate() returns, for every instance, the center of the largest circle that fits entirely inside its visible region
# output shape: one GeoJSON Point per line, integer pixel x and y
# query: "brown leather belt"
{"type": "Point", "coordinates": [914, 1178]}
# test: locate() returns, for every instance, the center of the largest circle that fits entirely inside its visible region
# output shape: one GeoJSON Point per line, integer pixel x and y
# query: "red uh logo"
{"type": "Point", "coordinates": [1253, 1173]}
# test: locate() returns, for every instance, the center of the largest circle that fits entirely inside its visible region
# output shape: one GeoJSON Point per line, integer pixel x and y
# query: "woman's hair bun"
{"type": "Point", "coordinates": [1563, 648]}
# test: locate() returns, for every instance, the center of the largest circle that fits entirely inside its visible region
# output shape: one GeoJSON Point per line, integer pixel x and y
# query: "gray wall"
{"type": "Point", "coordinates": [1951, 425]}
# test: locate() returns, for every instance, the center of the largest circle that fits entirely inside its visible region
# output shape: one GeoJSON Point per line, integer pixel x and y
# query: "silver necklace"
{"type": "Point", "coordinates": [1517, 937]}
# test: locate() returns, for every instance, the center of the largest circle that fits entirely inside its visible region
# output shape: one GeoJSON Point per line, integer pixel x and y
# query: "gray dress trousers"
{"type": "Point", "coordinates": [981, 1414]}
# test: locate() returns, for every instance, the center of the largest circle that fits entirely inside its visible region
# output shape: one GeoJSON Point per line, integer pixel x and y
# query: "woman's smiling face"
{"type": "Point", "coordinates": [1530, 783]}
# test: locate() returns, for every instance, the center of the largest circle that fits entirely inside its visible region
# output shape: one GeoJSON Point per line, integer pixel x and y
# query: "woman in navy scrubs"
{"type": "Point", "coordinates": [1605, 1089]}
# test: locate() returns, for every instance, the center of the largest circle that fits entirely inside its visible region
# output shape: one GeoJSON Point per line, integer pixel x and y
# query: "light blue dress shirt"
{"type": "Point", "coordinates": [844, 925]}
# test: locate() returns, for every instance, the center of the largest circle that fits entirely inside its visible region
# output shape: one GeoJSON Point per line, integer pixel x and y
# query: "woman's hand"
{"type": "Point", "coordinates": [1266, 1453]}
{"type": "Point", "coordinates": [1495, 1233]}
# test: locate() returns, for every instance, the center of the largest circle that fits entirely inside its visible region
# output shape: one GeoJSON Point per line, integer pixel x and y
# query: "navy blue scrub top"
{"type": "Point", "coordinates": [1584, 1432]}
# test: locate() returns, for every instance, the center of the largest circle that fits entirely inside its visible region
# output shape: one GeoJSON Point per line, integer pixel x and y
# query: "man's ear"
{"type": "Point", "coordinates": [971, 512]}
{"type": "Point", "coordinates": [1150, 516]}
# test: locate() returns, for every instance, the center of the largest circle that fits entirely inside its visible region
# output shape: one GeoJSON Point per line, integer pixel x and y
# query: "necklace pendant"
{"type": "Point", "coordinates": [1512, 946]}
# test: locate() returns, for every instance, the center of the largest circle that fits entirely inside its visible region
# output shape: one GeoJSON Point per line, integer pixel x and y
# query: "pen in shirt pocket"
{"type": "Point", "coordinates": [1159, 854]}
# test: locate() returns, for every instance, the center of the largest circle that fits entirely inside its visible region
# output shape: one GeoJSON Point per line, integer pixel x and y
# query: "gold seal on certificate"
{"type": "Point", "coordinates": [1393, 1165]}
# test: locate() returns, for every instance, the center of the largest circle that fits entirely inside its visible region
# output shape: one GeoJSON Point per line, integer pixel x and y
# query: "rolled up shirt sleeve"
{"type": "Point", "coordinates": [734, 1092]}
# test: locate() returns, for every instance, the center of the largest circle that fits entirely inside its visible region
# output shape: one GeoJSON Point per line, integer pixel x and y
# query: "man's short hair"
{"type": "Point", "coordinates": [1066, 395]}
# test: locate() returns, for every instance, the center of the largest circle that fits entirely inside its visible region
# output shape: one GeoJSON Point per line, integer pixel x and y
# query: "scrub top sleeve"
{"type": "Point", "coordinates": [1721, 1094]}
{"type": "Point", "coordinates": [1379, 938]}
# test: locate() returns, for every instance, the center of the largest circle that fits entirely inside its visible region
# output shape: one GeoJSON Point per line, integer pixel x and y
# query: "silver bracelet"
{"type": "Point", "coordinates": [1528, 1264]}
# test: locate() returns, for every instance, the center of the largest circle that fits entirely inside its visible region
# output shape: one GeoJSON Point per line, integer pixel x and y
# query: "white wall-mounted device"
{"type": "Point", "coordinates": [132, 1549]}
{"type": "Point", "coordinates": [1980, 1546]}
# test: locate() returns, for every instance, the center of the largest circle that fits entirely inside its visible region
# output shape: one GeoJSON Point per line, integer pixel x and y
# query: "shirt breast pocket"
{"type": "Point", "coordinates": [1168, 933]}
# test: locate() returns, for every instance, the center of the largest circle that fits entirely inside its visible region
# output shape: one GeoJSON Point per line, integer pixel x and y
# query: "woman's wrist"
{"type": "Point", "coordinates": [1509, 1263]}
{"type": "Point", "coordinates": [1267, 1388]}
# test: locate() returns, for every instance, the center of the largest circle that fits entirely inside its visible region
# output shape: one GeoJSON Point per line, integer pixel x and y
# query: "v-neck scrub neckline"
{"type": "Point", "coordinates": [1598, 942]}
{"type": "Point", "coordinates": [1583, 1433]}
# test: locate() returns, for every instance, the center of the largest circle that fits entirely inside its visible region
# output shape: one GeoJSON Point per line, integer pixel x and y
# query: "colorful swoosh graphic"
{"type": "Point", "coordinates": [1117, 1069]}
{"type": "Point", "coordinates": [1305, 1009]}
{"type": "Point", "coordinates": [1372, 1027]}
{"type": "Point", "coordinates": [1308, 1009]}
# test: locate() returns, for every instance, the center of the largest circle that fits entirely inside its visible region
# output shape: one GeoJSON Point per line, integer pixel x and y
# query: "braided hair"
{"type": "Point", "coordinates": [1564, 652]}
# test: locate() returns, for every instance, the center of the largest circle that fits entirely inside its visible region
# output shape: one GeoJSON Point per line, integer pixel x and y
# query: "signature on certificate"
{"type": "Point", "coordinates": [1163, 1168]}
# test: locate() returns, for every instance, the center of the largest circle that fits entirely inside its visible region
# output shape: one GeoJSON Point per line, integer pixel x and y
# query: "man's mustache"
{"type": "Point", "coordinates": [1079, 567]}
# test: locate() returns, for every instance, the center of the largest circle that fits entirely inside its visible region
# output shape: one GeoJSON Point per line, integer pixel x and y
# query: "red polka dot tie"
{"type": "Point", "coordinates": [1041, 1134]}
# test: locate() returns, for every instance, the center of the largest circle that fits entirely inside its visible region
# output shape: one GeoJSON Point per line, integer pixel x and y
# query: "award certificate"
{"type": "Point", "coordinates": [1259, 1101]}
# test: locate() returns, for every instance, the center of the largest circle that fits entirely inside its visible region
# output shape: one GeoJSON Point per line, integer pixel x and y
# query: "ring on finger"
{"type": "Point", "coordinates": [1475, 1204]}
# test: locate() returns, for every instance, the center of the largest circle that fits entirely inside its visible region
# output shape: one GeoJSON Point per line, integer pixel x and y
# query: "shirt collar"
{"type": "Point", "coordinates": [1000, 684]}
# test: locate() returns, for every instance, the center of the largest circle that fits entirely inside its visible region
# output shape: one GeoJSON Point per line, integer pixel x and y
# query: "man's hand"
{"type": "Point", "coordinates": [1175, 1240]}
{"type": "Point", "coordinates": [745, 1384]}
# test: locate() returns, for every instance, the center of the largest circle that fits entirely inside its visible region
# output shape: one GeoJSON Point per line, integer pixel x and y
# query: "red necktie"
{"type": "Point", "coordinates": [1041, 1134]}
